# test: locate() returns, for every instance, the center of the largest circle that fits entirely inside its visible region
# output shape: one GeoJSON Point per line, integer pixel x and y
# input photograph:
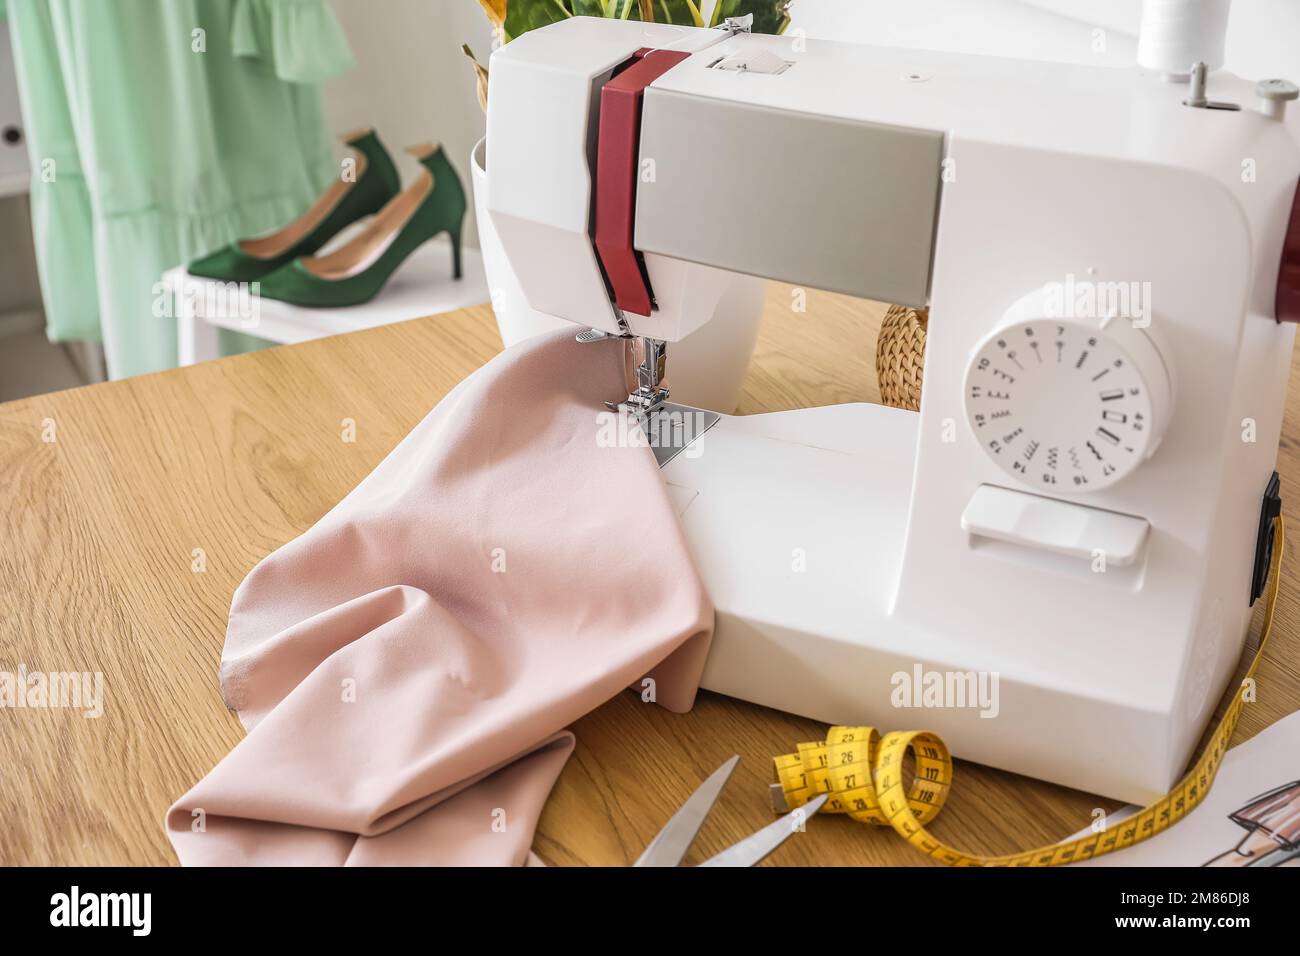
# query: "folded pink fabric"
{"type": "Point", "coordinates": [406, 668]}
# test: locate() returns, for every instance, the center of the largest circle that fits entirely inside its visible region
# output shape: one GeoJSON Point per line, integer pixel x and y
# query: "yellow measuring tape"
{"type": "Point", "coordinates": [863, 773]}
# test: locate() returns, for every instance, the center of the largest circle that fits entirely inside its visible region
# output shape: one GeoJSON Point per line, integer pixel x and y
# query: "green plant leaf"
{"type": "Point", "coordinates": [680, 12]}
{"type": "Point", "coordinates": [525, 15]}
{"type": "Point", "coordinates": [770, 16]}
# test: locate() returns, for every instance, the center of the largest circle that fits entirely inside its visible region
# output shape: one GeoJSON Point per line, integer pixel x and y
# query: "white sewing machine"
{"type": "Point", "coordinates": [1077, 506]}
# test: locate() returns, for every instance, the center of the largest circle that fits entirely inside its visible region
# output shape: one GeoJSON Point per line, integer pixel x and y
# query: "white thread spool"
{"type": "Point", "coordinates": [1177, 33]}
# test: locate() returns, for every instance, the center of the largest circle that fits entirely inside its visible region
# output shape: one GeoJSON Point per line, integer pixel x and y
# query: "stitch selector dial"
{"type": "Point", "coordinates": [1067, 405]}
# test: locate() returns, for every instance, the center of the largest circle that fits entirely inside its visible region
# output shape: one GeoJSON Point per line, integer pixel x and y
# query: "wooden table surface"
{"type": "Point", "coordinates": [126, 535]}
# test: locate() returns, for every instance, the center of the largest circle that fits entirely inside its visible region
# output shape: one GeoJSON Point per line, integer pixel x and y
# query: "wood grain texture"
{"type": "Point", "coordinates": [236, 457]}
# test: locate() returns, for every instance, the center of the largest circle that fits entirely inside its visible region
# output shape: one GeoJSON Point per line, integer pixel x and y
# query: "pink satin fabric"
{"type": "Point", "coordinates": [406, 668]}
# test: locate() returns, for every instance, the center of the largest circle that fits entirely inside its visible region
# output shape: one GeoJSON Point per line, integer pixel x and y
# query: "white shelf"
{"type": "Point", "coordinates": [422, 285]}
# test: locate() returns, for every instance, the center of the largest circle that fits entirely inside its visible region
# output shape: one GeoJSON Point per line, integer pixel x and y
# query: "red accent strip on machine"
{"type": "Point", "coordinates": [1287, 303]}
{"type": "Point", "coordinates": [619, 136]}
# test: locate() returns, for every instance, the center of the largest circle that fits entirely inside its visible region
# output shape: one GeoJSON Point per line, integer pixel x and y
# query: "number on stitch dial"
{"type": "Point", "coordinates": [1065, 405]}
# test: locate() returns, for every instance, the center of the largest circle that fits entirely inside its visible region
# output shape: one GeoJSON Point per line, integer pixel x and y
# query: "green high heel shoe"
{"type": "Point", "coordinates": [354, 273]}
{"type": "Point", "coordinates": [342, 204]}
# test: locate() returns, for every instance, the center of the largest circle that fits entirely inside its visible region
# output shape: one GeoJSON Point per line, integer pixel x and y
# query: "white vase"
{"type": "Point", "coordinates": [706, 369]}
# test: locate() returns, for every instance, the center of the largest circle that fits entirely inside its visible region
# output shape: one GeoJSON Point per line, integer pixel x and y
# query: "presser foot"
{"type": "Point", "coordinates": [669, 429]}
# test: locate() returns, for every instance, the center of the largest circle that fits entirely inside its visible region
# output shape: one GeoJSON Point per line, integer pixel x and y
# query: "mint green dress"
{"type": "Point", "coordinates": [160, 130]}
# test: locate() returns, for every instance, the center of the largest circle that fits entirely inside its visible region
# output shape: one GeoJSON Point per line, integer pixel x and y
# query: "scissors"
{"type": "Point", "coordinates": [671, 843]}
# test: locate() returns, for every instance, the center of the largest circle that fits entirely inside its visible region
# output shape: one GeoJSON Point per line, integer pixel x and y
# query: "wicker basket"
{"type": "Point", "coordinates": [900, 356]}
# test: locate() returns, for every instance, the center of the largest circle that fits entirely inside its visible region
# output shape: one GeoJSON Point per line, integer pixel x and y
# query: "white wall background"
{"type": "Point", "coordinates": [1012, 28]}
{"type": "Point", "coordinates": [1263, 35]}
{"type": "Point", "coordinates": [411, 82]}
